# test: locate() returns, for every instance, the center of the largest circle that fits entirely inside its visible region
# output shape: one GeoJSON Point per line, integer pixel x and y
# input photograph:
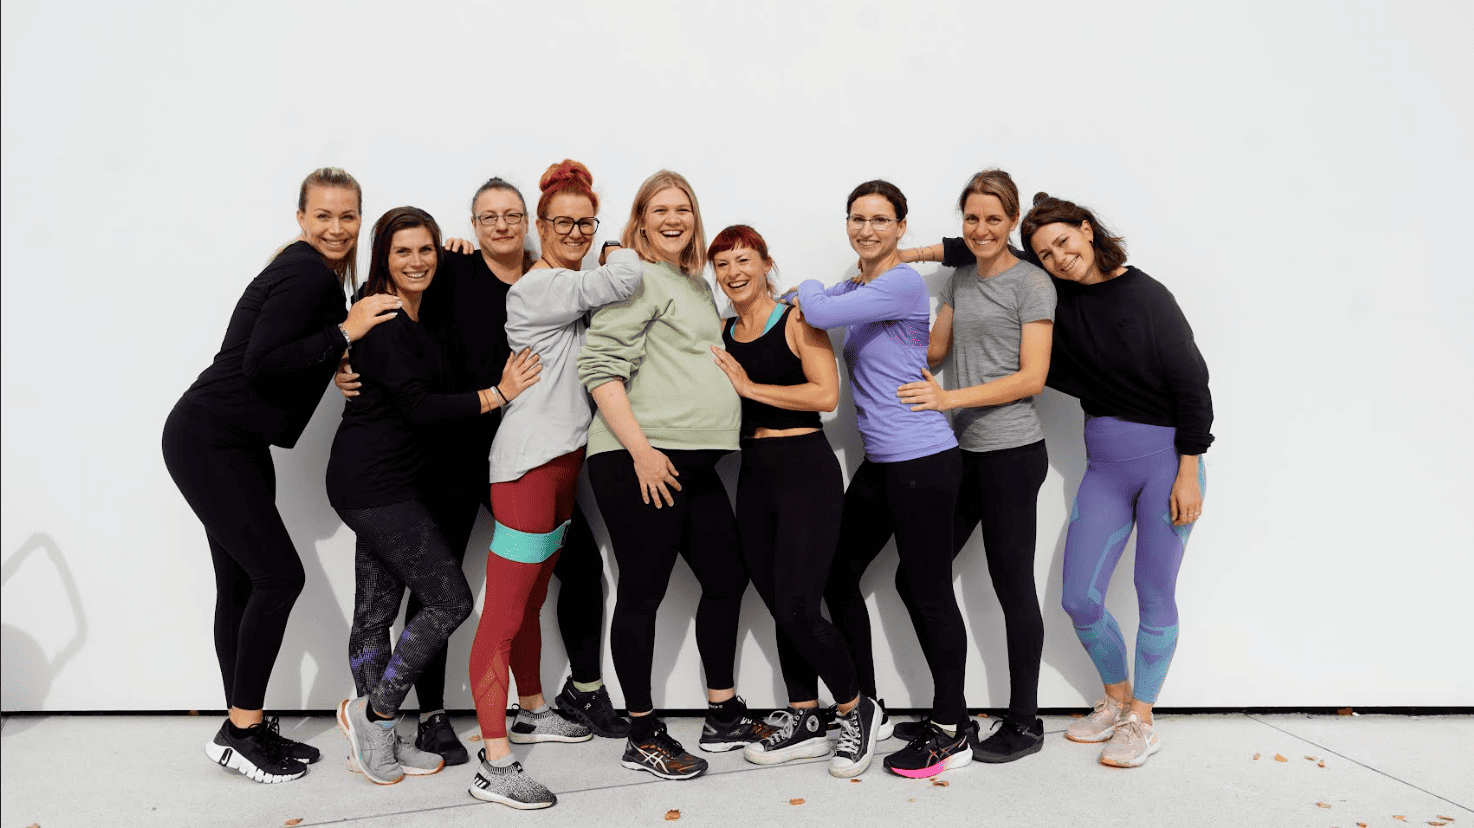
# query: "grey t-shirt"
{"type": "Point", "coordinates": [988, 317]}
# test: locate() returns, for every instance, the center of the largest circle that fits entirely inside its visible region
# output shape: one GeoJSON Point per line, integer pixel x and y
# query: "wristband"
{"type": "Point", "coordinates": [503, 397]}
{"type": "Point", "coordinates": [347, 340]}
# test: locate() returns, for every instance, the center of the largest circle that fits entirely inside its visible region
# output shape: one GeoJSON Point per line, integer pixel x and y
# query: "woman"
{"type": "Point", "coordinates": [666, 415]}
{"type": "Point", "coordinates": [284, 337]}
{"type": "Point", "coordinates": [465, 309]}
{"type": "Point", "coordinates": [1123, 347]}
{"type": "Point", "coordinates": [373, 478]}
{"type": "Point", "coordinates": [535, 462]}
{"type": "Point", "coordinates": [998, 311]}
{"type": "Point", "coordinates": [907, 485]}
{"type": "Point", "coordinates": [789, 497]}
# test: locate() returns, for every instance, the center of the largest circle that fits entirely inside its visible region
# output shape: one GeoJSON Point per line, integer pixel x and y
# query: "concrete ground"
{"type": "Point", "coordinates": [1213, 770]}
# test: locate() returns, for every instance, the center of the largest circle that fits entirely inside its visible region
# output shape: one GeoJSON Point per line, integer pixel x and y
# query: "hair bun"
{"type": "Point", "coordinates": [1040, 197]}
{"type": "Point", "coordinates": [565, 172]}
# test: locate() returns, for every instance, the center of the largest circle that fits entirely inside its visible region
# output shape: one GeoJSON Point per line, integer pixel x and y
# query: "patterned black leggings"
{"type": "Point", "coordinates": [400, 546]}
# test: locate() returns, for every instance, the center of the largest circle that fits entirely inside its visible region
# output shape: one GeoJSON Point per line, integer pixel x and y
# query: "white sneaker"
{"type": "Point", "coordinates": [1100, 724]}
{"type": "Point", "coordinates": [1131, 744]}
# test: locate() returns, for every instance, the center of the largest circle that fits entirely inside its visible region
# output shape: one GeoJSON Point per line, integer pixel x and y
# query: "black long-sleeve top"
{"type": "Point", "coordinates": [280, 349]}
{"type": "Point", "coordinates": [379, 449]}
{"type": "Point", "coordinates": [1124, 348]}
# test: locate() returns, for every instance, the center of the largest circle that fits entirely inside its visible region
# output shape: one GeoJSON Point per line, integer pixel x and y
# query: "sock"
{"type": "Point", "coordinates": [642, 727]}
{"type": "Point", "coordinates": [588, 686]}
{"type": "Point", "coordinates": [425, 717]}
{"type": "Point", "coordinates": [243, 732]}
{"type": "Point", "coordinates": [503, 762]}
{"type": "Point", "coordinates": [726, 711]}
{"type": "Point", "coordinates": [950, 730]}
{"type": "Point", "coordinates": [541, 710]}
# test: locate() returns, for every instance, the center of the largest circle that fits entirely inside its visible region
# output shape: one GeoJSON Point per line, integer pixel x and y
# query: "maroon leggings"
{"type": "Point", "coordinates": [509, 632]}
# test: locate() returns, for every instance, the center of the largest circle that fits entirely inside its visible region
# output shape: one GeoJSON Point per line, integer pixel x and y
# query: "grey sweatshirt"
{"type": "Point", "coordinates": [545, 312]}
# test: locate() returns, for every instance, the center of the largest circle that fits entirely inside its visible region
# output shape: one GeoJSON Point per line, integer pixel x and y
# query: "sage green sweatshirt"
{"type": "Point", "coordinates": [658, 343]}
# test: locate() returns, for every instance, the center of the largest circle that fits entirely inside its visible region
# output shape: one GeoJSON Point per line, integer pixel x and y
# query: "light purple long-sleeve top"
{"type": "Point", "coordinates": [886, 322]}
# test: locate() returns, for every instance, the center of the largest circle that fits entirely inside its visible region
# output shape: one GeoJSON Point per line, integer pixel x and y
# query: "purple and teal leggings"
{"type": "Point", "coordinates": [1128, 483]}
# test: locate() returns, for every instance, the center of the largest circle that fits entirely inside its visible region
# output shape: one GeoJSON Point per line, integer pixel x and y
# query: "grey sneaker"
{"type": "Point", "coordinates": [1098, 726]}
{"type": "Point", "coordinates": [510, 786]}
{"type": "Point", "coordinates": [373, 747]}
{"type": "Point", "coordinates": [551, 725]}
{"type": "Point", "coordinates": [1131, 743]}
{"type": "Point", "coordinates": [412, 760]}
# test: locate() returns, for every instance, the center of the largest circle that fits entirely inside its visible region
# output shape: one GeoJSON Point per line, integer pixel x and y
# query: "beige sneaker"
{"type": "Point", "coordinates": [1131, 744]}
{"type": "Point", "coordinates": [1098, 726]}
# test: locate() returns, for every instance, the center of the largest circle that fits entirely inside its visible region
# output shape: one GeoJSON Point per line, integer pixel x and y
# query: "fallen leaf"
{"type": "Point", "coordinates": [1077, 715]}
{"type": "Point", "coordinates": [910, 800]}
{"type": "Point", "coordinates": [795, 802]}
{"type": "Point", "coordinates": [193, 713]}
{"type": "Point", "coordinates": [474, 737]}
{"type": "Point", "coordinates": [1279, 758]}
{"type": "Point", "coordinates": [1361, 825]}
{"type": "Point", "coordinates": [1399, 817]}
{"type": "Point", "coordinates": [854, 781]}
{"type": "Point", "coordinates": [1256, 757]}
{"type": "Point", "coordinates": [1345, 711]}
{"type": "Point", "coordinates": [1450, 819]}
{"type": "Point", "coordinates": [1431, 822]}
{"type": "Point", "coordinates": [1311, 758]}
{"type": "Point", "coordinates": [982, 715]}
{"type": "Point", "coordinates": [672, 815]}
{"type": "Point", "coordinates": [296, 821]}
{"type": "Point", "coordinates": [1321, 763]}
{"type": "Point", "coordinates": [940, 783]}
{"type": "Point", "coordinates": [1322, 805]}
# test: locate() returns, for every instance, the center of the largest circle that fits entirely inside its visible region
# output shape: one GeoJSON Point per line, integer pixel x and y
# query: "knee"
{"type": "Point", "coordinates": [1083, 609]}
{"type": "Point", "coordinates": [798, 618]}
{"type": "Point", "coordinates": [283, 585]}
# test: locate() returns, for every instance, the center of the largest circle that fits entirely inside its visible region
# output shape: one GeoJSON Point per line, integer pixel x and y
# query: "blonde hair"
{"type": "Point", "coordinates": [334, 177]}
{"type": "Point", "coordinates": [693, 258]}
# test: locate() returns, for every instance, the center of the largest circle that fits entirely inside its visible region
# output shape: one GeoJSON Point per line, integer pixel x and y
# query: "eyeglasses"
{"type": "Point", "coordinates": [565, 224]}
{"type": "Point", "coordinates": [879, 223]}
{"type": "Point", "coordinates": [492, 219]}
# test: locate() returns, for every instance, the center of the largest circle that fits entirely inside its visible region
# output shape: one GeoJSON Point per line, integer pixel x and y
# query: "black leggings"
{"type": "Point", "coordinates": [790, 495]}
{"type": "Point", "coordinates": [227, 477]}
{"type": "Point", "coordinates": [580, 572]}
{"type": "Point", "coordinates": [400, 546]}
{"type": "Point", "coordinates": [1000, 490]}
{"type": "Point", "coordinates": [646, 540]}
{"type": "Point", "coordinates": [915, 501]}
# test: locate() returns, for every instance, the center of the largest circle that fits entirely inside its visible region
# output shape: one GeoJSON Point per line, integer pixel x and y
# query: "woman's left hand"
{"type": "Point", "coordinates": [458, 245]}
{"type": "Point", "coordinates": [1187, 494]}
{"type": "Point", "coordinates": [926, 395]}
{"type": "Point", "coordinates": [734, 371]}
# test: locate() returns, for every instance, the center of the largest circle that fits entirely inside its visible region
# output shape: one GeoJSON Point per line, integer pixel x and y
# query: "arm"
{"type": "Point", "coordinates": [656, 472]}
{"type": "Point", "coordinates": [558, 297]}
{"type": "Point", "coordinates": [881, 299]}
{"type": "Point", "coordinates": [388, 361]}
{"type": "Point", "coordinates": [819, 393]}
{"type": "Point", "coordinates": [930, 253]}
{"type": "Point", "coordinates": [280, 339]}
{"type": "Point", "coordinates": [1186, 377]}
{"type": "Point", "coordinates": [1034, 344]}
{"type": "Point", "coordinates": [940, 343]}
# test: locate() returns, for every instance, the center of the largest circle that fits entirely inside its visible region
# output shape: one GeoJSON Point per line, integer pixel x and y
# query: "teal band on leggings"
{"type": "Point", "coordinates": [526, 547]}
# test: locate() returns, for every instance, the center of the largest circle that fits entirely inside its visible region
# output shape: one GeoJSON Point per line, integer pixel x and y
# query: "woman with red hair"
{"type": "Point", "coordinates": [535, 460]}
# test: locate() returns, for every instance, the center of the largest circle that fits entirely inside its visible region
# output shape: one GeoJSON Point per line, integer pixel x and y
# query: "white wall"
{"type": "Point", "coordinates": [1297, 173]}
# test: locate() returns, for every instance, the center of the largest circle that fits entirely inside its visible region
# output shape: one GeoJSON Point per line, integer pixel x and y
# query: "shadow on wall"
{"type": "Point", "coordinates": [29, 674]}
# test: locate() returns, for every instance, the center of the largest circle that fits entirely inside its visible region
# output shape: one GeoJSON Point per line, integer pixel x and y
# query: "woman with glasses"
{"type": "Point", "coordinates": [907, 484]}
{"type": "Point", "coordinates": [1124, 348]}
{"type": "Point", "coordinates": [666, 415]}
{"type": "Point", "coordinates": [535, 461]}
{"type": "Point", "coordinates": [284, 337]}
{"type": "Point", "coordinates": [374, 477]}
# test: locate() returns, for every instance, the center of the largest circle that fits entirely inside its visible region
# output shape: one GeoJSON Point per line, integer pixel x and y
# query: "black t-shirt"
{"type": "Point", "coordinates": [280, 349]}
{"type": "Point", "coordinates": [379, 450]}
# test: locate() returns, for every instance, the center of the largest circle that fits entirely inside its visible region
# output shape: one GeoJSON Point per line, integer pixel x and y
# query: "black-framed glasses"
{"type": "Point", "coordinates": [880, 223]}
{"type": "Point", "coordinates": [511, 217]}
{"type": "Point", "coordinates": [564, 225]}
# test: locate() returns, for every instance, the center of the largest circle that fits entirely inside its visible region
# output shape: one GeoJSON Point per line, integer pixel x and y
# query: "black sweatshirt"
{"type": "Point", "coordinates": [379, 449]}
{"type": "Point", "coordinates": [280, 349]}
{"type": "Point", "coordinates": [1124, 348]}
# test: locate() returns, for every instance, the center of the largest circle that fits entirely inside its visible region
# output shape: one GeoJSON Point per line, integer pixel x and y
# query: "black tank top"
{"type": "Point", "coordinates": [769, 361]}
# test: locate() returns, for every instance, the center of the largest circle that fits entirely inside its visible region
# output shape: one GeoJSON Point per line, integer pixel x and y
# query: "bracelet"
{"type": "Point", "coordinates": [347, 340]}
{"type": "Point", "coordinates": [505, 402]}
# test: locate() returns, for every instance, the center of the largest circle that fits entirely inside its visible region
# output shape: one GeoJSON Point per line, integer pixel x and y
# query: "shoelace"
{"type": "Point", "coordinates": [849, 732]}
{"type": "Point", "coordinates": [270, 742]}
{"type": "Point", "coordinates": [666, 743]}
{"type": "Point", "coordinates": [783, 722]}
{"type": "Point", "coordinates": [1135, 729]}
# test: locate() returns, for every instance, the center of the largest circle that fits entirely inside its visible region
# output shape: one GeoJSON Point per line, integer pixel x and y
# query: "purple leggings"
{"type": "Point", "coordinates": [1128, 483]}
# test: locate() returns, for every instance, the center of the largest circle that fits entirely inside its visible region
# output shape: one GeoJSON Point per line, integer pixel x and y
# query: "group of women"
{"type": "Point", "coordinates": [469, 373]}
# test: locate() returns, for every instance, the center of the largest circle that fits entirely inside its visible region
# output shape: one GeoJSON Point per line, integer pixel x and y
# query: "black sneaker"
{"type": "Point", "coordinates": [1012, 740]}
{"type": "Point", "coordinates": [256, 756]}
{"type": "Point", "coordinates": [593, 710]}
{"type": "Point", "coordinates": [662, 756]}
{"type": "Point", "coordinates": [906, 731]}
{"type": "Point", "coordinates": [932, 752]}
{"type": "Point", "coordinates": [720, 737]}
{"type": "Point", "coordinates": [290, 748]}
{"type": "Point", "coordinates": [858, 732]}
{"type": "Point", "coordinates": [435, 735]}
{"type": "Point", "coordinates": [800, 734]}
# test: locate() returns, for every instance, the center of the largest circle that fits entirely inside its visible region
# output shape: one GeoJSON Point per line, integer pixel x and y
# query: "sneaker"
{"type": "Point", "coordinates": [510, 786]}
{"type": "Point", "coordinates": [412, 760]}
{"type": "Point", "coordinates": [375, 748]}
{"type": "Point", "coordinates": [255, 755]}
{"type": "Point", "coordinates": [593, 710]}
{"type": "Point", "coordinates": [290, 748]}
{"type": "Point", "coordinates": [1131, 743]}
{"type": "Point", "coordinates": [932, 752]}
{"type": "Point", "coordinates": [1012, 740]}
{"type": "Point", "coordinates": [887, 726]}
{"type": "Point", "coordinates": [551, 725]}
{"type": "Point", "coordinates": [662, 756]}
{"type": "Point", "coordinates": [1098, 726]}
{"type": "Point", "coordinates": [858, 732]}
{"type": "Point", "coordinates": [906, 731]}
{"type": "Point", "coordinates": [799, 734]}
{"type": "Point", "coordinates": [720, 737]}
{"type": "Point", "coordinates": [435, 735]}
